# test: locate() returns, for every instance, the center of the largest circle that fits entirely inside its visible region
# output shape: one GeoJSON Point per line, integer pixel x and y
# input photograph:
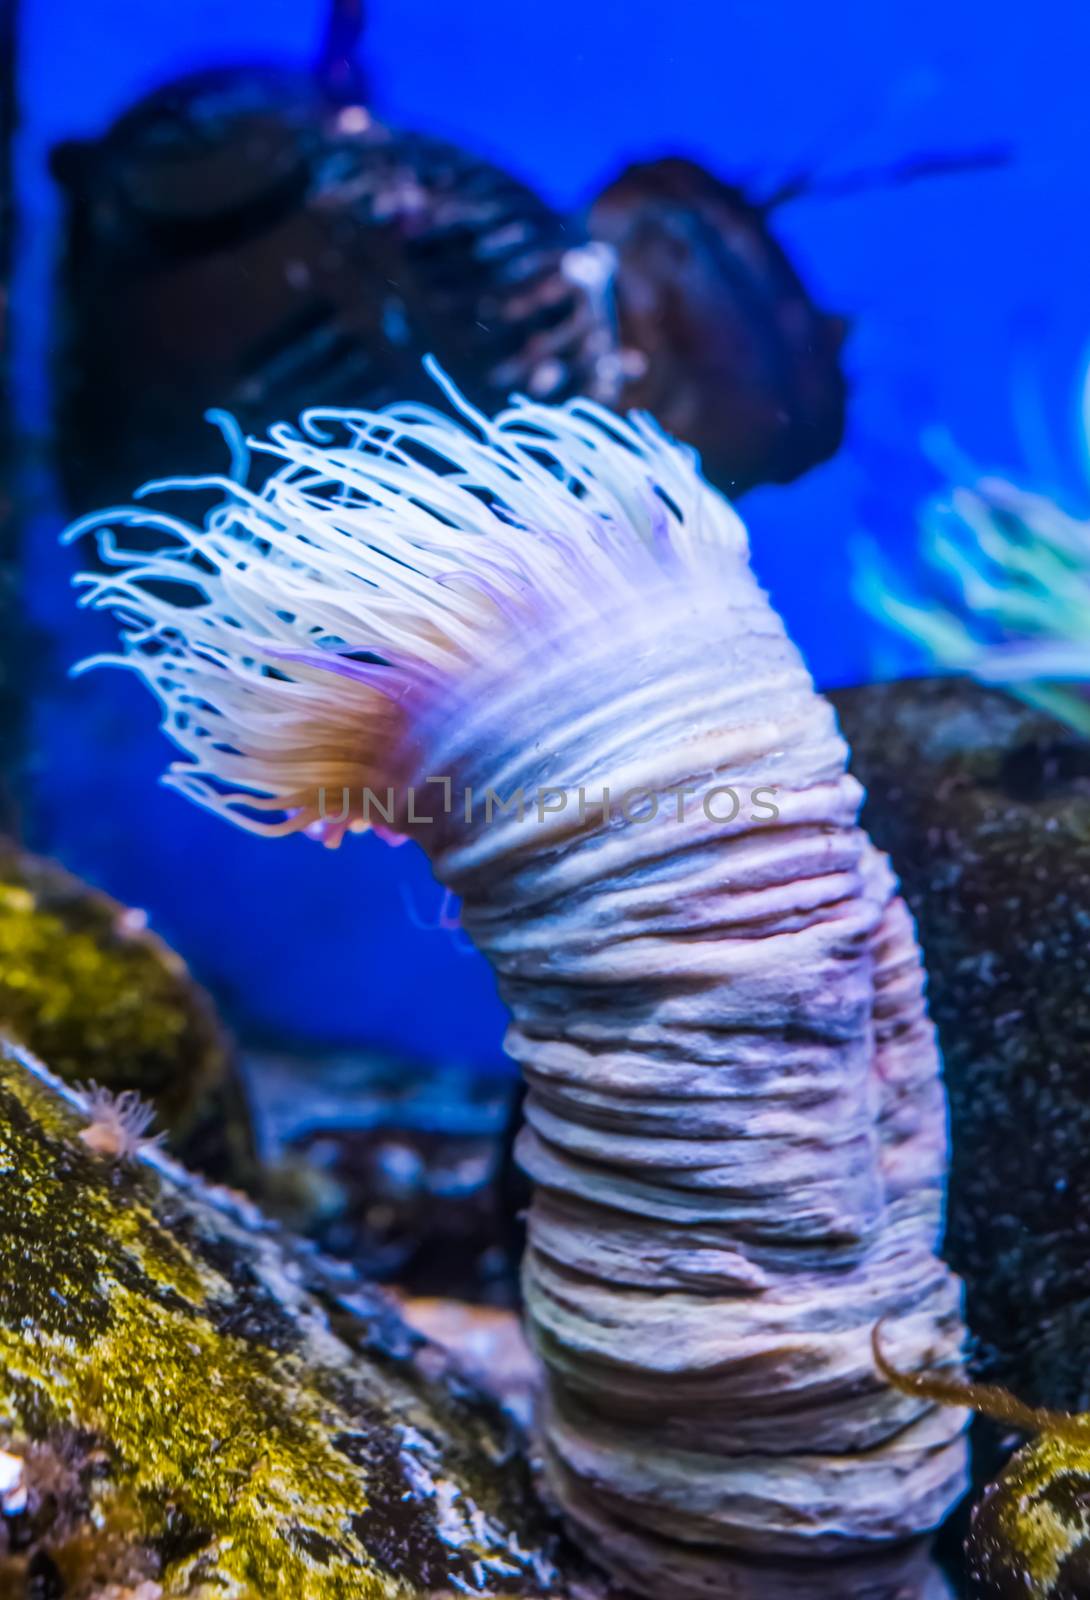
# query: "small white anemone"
{"type": "Point", "coordinates": [293, 636]}
{"type": "Point", "coordinates": [117, 1124]}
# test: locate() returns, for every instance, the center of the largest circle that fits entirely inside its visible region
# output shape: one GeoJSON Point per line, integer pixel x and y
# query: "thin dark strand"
{"type": "Point", "coordinates": [987, 1400]}
{"type": "Point", "coordinates": [915, 169]}
{"type": "Point", "coordinates": [339, 69]}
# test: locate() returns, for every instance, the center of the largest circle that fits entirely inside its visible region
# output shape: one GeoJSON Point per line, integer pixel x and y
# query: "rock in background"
{"type": "Point", "coordinates": [391, 1163]}
{"type": "Point", "coordinates": [237, 240]}
{"type": "Point", "coordinates": [984, 806]}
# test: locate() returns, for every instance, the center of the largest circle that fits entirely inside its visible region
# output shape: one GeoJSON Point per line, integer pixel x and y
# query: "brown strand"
{"type": "Point", "coordinates": [987, 1400]}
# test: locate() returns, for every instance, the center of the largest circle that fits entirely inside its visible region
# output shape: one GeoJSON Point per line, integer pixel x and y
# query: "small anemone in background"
{"type": "Point", "coordinates": [1016, 584]}
{"type": "Point", "coordinates": [118, 1125]}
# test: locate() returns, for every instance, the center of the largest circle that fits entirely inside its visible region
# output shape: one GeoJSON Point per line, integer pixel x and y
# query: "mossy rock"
{"type": "Point", "coordinates": [1030, 1538]}
{"type": "Point", "coordinates": [231, 1416]}
{"type": "Point", "coordinates": [85, 986]}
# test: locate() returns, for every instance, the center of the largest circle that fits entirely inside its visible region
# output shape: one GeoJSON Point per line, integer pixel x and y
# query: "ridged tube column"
{"type": "Point", "coordinates": [735, 1125]}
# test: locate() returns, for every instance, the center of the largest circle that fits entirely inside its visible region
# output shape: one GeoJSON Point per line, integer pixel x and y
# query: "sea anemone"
{"type": "Point", "coordinates": [1016, 568]}
{"type": "Point", "coordinates": [117, 1124]}
{"type": "Point", "coordinates": [535, 643]}
{"type": "Point", "coordinates": [296, 639]}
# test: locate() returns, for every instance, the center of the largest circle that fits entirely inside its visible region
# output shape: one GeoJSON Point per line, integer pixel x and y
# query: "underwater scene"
{"type": "Point", "coordinates": [544, 800]}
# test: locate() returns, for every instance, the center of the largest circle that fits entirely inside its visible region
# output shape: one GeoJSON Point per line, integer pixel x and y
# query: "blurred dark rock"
{"type": "Point", "coordinates": [393, 1165]}
{"type": "Point", "coordinates": [1030, 1533]}
{"type": "Point", "coordinates": [984, 806]}
{"type": "Point", "coordinates": [241, 239]}
{"type": "Point", "coordinates": [237, 240]}
{"type": "Point", "coordinates": [719, 337]}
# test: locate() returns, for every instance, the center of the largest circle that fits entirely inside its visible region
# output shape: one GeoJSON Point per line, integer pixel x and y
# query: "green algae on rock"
{"type": "Point", "coordinates": [263, 1426]}
{"type": "Point", "coordinates": [86, 986]}
{"type": "Point", "coordinates": [1030, 1537]}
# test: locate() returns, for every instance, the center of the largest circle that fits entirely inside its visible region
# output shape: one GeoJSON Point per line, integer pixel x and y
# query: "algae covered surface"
{"type": "Point", "coordinates": [241, 1419]}
{"type": "Point", "coordinates": [1031, 1532]}
{"type": "Point", "coordinates": [86, 987]}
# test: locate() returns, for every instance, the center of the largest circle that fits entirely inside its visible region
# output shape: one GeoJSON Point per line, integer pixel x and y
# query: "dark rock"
{"type": "Point", "coordinates": [238, 240]}
{"type": "Point", "coordinates": [984, 806]}
{"type": "Point", "coordinates": [720, 338]}
{"type": "Point", "coordinates": [392, 1164]}
{"type": "Point", "coordinates": [1030, 1537]}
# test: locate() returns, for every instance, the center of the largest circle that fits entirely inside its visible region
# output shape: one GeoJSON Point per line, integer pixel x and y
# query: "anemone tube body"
{"type": "Point", "coordinates": [735, 1124]}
